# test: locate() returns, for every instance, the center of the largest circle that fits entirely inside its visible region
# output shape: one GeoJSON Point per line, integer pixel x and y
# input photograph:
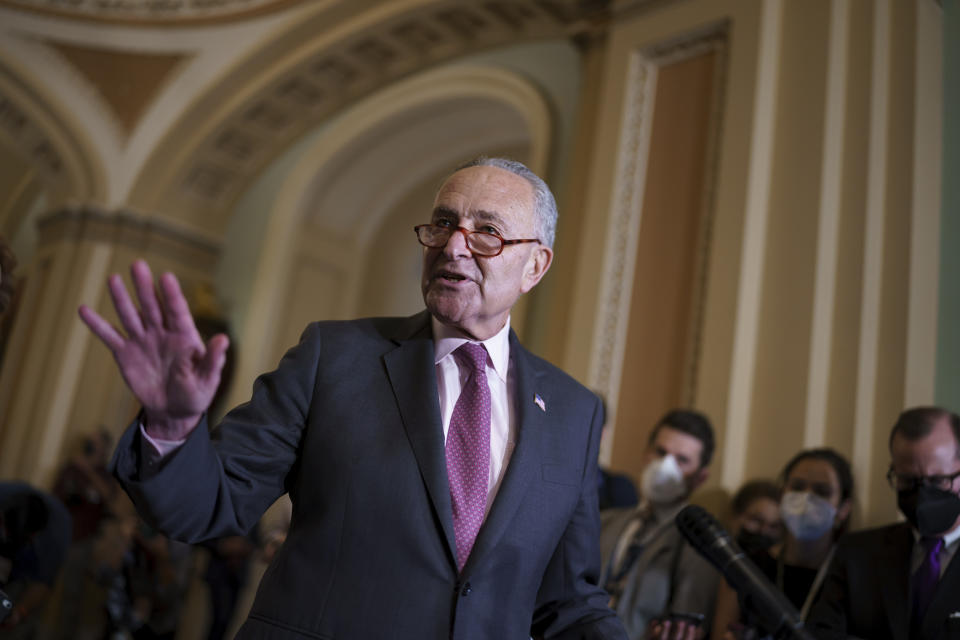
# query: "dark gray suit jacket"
{"type": "Point", "coordinates": [867, 592]}
{"type": "Point", "coordinates": [669, 576]}
{"type": "Point", "coordinates": [349, 424]}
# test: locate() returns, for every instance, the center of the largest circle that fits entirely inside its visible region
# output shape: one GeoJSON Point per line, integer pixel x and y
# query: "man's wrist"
{"type": "Point", "coordinates": [167, 428]}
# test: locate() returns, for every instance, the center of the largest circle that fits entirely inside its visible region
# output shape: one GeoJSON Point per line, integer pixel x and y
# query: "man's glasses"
{"type": "Point", "coordinates": [908, 482]}
{"type": "Point", "coordinates": [480, 243]}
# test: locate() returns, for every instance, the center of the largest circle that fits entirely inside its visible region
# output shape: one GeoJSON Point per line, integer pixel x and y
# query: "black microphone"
{"type": "Point", "coordinates": [775, 612]}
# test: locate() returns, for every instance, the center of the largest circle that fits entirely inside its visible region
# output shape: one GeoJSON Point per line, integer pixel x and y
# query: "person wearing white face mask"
{"type": "Point", "coordinates": [815, 507]}
{"type": "Point", "coordinates": [649, 570]}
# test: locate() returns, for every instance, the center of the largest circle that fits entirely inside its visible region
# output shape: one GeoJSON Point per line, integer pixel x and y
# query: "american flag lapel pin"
{"type": "Point", "coordinates": [537, 400]}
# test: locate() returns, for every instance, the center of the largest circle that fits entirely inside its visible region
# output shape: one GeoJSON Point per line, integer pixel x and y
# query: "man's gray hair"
{"type": "Point", "coordinates": [544, 204]}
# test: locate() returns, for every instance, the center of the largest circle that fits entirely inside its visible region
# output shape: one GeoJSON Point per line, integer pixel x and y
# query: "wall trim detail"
{"type": "Point", "coordinates": [870, 300]}
{"type": "Point", "coordinates": [747, 321]}
{"type": "Point", "coordinates": [821, 340]}
{"type": "Point", "coordinates": [617, 273]}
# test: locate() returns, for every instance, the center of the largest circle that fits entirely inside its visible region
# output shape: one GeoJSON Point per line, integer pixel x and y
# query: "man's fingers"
{"type": "Point", "coordinates": [663, 632]}
{"type": "Point", "coordinates": [146, 293]}
{"type": "Point", "coordinates": [101, 328]}
{"type": "Point", "coordinates": [176, 311]}
{"type": "Point", "coordinates": [126, 310]}
{"type": "Point", "coordinates": [215, 357]}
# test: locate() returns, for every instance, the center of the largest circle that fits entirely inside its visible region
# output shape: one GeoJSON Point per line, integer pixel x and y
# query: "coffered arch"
{"type": "Point", "coordinates": [153, 13]}
{"type": "Point", "coordinates": [335, 55]}
{"type": "Point", "coordinates": [40, 132]}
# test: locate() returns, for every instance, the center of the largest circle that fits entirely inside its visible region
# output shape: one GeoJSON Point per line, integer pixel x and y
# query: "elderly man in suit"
{"type": "Point", "coordinates": [443, 478]}
{"type": "Point", "coordinates": [902, 581]}
{"type": "Point", "coordinates": [648, 567]}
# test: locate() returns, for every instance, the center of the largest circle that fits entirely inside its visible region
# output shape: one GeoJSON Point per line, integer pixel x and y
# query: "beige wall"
{"type": "Point", "coordinates": [658, 358]}
{"type": "Point", "coordinates": [803, 337]}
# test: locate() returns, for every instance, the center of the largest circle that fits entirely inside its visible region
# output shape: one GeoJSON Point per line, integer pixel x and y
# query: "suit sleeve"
{"type": "Point", "coordinates": [570, 604]}
{"type": "Point", "coordinates": [828, 616]}
{"type": "Point", "coordinates": [219, 486]}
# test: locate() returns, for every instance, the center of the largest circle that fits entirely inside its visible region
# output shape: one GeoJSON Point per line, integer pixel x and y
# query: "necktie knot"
{"type": "Point", "coordinates": [932, 546]}
{"type": "Point", "coordinates": [474, 355]}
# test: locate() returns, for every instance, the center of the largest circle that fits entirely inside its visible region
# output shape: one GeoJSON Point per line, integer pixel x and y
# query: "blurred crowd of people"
{"type": "Point", "coordinates": [83, 565]}
{"type": "Point", "coordinates": [876, 583]}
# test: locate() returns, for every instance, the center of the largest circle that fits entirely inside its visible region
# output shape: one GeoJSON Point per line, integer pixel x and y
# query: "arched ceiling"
{"type": "Point", "coordinates": [316, 69]}
{"type": "Point", "coordinates": [36, 135]}
{"type": "Point", "coordinates": [177, 105]}
{"type": "Point", "coordinates": [169, 12]}
{"type": "Point", "coordinates": [182, 111]}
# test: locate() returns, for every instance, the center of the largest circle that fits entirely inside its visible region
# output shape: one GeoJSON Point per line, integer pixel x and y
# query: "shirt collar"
{"type": "Point", "coordinates": [659, 512]}
{"type": "Point", "coordinates": [948, 538]}
{"type": "Point", "coordinates": [951, 537]}
{"type": "Point", "coordinates": [446, 340]}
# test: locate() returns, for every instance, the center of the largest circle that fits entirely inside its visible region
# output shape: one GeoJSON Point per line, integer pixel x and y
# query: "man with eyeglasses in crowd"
{"type": "Point", "coordinates": [443, 478]}
{"type": "Point", "coordinates": [902, 581]}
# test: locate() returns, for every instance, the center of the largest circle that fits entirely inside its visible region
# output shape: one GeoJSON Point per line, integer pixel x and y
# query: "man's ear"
{"type": "Point", "coordinates": [536, 266]}
{"type": "Point", "coordinates": [700, 477]}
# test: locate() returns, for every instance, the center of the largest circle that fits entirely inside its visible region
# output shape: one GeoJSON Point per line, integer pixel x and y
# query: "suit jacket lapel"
{"type": "Point", "coordinates": [524, 465]}
{"type": "Point", "coordinates": [412, 374]}
{"type": "Point", "coordinates": [895, 580]}
{"type": "Point", "coordinates": [946, 600]}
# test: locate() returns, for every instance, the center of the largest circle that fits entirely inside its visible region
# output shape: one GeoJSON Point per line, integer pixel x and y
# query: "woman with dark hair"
{"type": "Point", "coordinates": [815, 505]}
{"type": "Point", "coordinates": [755, 521]}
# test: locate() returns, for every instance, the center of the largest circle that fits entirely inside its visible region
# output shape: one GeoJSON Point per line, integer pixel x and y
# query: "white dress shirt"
{"type": "Point", "coordinates": [451, 378]}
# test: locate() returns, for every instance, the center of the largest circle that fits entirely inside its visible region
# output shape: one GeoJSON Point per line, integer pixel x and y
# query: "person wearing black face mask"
{"type": "Point", "coordinates": [901, 581]}
{"type": "Point", "coordinates": [756, 516]}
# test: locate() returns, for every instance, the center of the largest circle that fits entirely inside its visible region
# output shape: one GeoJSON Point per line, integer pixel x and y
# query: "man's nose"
{"type": "Point", "coordinates": [456, 246]}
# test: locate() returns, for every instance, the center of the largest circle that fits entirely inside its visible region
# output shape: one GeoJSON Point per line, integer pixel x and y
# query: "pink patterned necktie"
{"type": "Point", "coordinates": [468, 450]}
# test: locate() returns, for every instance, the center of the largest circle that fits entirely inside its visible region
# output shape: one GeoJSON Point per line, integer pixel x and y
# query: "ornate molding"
{"type": "Point", "coordinates": [128, 228]}
{"type": "Point", "coordinates": [617, 279]}
{"type": "Point", "coordinates": [234, 146]}
{"type": "Point", "coordinates": [610, 335]}
{"type": "Point", "coordinates": [153, 12]}
{"type": "Point", "coordinates": [31, 139]}
{"type": "Point", "coordinates": [45, 135]}
{"type": "Point", "coordinates": [718, 44]}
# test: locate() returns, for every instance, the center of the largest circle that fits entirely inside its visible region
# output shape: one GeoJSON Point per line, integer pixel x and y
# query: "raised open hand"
{"type": "Point", "coordinates": [162, 357]}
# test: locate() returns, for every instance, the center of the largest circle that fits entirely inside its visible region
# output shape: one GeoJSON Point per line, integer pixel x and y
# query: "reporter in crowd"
{"type": "Point", "coordinates": [755, 522]}
{"type": "Point", "coordinates": [815, 507]}
{"type": "Point", "coordinates": [902, 580]}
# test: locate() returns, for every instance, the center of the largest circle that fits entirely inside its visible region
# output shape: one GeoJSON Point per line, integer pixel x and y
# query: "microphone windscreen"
{"type": "Point", "coordinates": [698, 526]}
{"type": "Point", "coordinates": [705, 534]}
